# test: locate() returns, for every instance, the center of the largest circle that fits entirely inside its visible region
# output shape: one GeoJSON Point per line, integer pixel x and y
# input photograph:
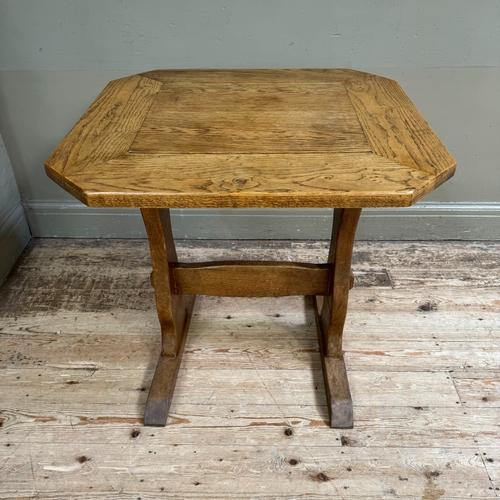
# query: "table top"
{"type": "Point", "coordinates": [251, 138]}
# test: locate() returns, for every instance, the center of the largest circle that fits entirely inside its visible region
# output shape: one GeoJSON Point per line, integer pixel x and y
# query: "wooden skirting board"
{"type": "Point", "coordinates": [79, 342]}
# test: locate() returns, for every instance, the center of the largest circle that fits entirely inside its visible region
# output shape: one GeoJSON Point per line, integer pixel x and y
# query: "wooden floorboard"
{"type": "Point", "coordinates": [79, 341]}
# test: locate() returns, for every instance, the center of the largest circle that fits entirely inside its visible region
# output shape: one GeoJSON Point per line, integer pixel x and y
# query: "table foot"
{"type": "Point", "coordinates": [163, 385]}
{"type": "Point", "coordinates": [338, 394]}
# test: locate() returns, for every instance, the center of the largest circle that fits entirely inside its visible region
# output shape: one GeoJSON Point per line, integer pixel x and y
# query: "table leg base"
{"type": "Point", "coordinates": [338, 394]}
{"type": "Point", "coordinates": [163, 385]}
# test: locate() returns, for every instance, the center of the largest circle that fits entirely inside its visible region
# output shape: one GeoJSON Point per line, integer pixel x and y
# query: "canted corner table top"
{"type": "Point", "coordinates": [251, 138]}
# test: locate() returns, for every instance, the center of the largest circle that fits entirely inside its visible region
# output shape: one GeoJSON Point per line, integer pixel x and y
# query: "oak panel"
{"type": "Point", "coordinates": [394, 127]}
{"type": "Point", "coordinates": [108, 127]}
{"type": "Point", "coordinates": [259, 181]}
{"type": "Point", "coordinates": [245, 118]}
{"type": "Point", "coordinates": [251, 75]}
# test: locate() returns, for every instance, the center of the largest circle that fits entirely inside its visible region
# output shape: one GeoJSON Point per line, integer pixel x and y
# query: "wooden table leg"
{"type": "Point", "coordinates": [174, 313]}
{"type": "Point", "coordinates": [330, 321]}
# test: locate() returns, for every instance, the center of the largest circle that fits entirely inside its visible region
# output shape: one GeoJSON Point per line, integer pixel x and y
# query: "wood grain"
{"type": "Point", "coordinates": [174, 313]}
{"type": "Point", "coordinates": [219, 386]}
{"type": "Point", "coordinates": [252, 181]}
{"type": "Point", "coordinates": [169, 306]}
{"type": "Point", "coordinates": [330, 318]}
{"type": "Point", "coordinates": [251, 138]}
{"type": "Point", "coordinates": [260, 76]}
{"type": "Point", "coordinates": [107, 128]}
{"type": "Point", "coordinates": [190, 471]}
{"type": "Point", "coordinates": [338, 394]}
{"type": "Point", "coordinates": [162, 388]}
{"type": "Point", "coordinates": [379, 426]}
{"type": "Point", "coordinates": [329, 100]}
{"type": "Point", "coordinates": [245, 118]}
{"type": "Point", "coordinates": [69, 406]}
{"type": "Point", "coordinates": [334, 307]}
{"type": "Point", "coordinates": [395, 128]}
{"type": "Point", "coordinates": [251, 279]}
{"type": "Point", "coordinates": [244, 343]}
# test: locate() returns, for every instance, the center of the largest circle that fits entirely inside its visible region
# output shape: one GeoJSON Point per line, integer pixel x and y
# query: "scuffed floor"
{"type": "Point", "coordinates": [79, 340]}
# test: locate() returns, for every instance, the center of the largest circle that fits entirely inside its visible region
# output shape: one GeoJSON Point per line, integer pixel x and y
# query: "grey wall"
{"type": "Point", "coordinates": [56, 55]}
{"type": "Point", "coordinates": [14, 230]}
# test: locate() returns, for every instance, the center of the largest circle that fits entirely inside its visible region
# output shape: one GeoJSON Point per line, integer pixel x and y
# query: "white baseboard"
{"type": "Point", "coordinates": [423, 221]}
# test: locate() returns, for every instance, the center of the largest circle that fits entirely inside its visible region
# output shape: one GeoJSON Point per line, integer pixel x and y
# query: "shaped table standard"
{"type": "Point", "coordinates": [250, 138]}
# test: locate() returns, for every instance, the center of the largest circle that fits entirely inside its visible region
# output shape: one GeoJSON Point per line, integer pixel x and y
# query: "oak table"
{"type": "Point", "coordinates": [251, 138]}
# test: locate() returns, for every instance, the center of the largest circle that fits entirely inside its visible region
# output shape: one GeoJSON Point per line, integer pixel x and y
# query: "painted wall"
{"type": "Point", "coordinates": [56, 55]}
{"type": "Point", "coordinates": [14, 230]}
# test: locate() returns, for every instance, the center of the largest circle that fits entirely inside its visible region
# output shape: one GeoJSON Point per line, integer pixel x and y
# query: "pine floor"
{"type": "Point", "coordinates": [79, 341]}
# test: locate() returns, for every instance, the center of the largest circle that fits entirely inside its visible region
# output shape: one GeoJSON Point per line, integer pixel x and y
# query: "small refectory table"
{"type": "Point", "coordinates": [251, 139]}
